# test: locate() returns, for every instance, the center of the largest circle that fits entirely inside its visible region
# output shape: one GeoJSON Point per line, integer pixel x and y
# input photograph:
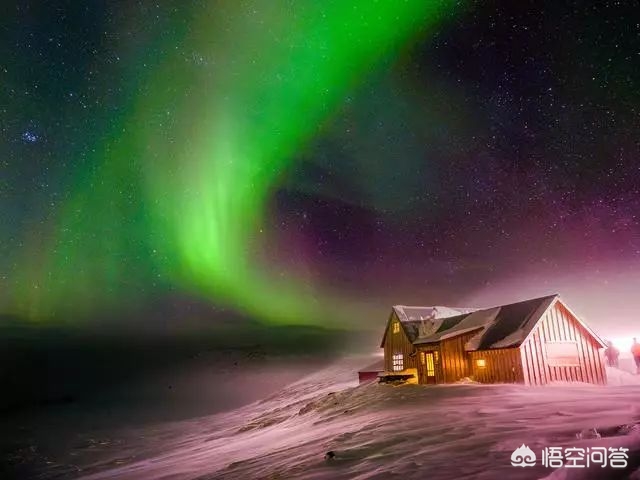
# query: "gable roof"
{"type": "Point", "coordinates": [498, 327]}
{"type": "Point", "coordinates": [409, 313]}
{"type": "Point", "coordinates": [412, 317]}
{"type": "Point", "coordinates": [460, 324]}
{"type": "Point", "coordinates": [513, 324]}
{"type": "Point", "coordinates": [505, 326]}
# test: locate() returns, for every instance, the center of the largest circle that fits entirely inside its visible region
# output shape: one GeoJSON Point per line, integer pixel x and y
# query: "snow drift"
{"type": "Point", "coordinates": [376, 431]}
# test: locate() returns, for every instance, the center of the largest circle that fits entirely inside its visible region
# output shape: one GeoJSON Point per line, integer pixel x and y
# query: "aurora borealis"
{"type": "Point", "coordinates": [307, 162]}
{"type": "Point", "coordinates": [209, 207]}
{"type": "Point", "coordinates": [176, 192]}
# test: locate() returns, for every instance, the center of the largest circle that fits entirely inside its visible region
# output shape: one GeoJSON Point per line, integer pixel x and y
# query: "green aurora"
{"type": "Point", "coordinates": [175, 195]}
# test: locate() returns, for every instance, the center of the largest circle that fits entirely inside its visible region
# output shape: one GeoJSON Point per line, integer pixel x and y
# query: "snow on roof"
{"type": "Point", "coordinates": [413, 318]}
{"type": "Point", "coordinates": [479, 319]}
{"type": "Point", "coordinates": [503, 326]}
{"type": "Point", "coordinates": [498, 327]}
{"type": "Point", "coordinates": [409, 313]}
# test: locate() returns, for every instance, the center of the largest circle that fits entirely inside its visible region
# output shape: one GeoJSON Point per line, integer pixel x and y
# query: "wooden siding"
{"type": "Point", "coordinates": [398, 343]}
{"type": "Point", "coordinates": [501, 366]}
{"type": "Point", "coordinates": [453, 361]}
{"type": "Point", "coordinates": [558, 325]}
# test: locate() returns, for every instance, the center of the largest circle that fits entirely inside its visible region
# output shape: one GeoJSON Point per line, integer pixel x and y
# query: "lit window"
{"type": "Point", "coordinates": [398, 363]}
{"type": "Point", "coordinates": [396, 327]}
{"type": "Point", "coordinates": [481, 363]}
{"type": "Point", "coordinates": [435, 356]}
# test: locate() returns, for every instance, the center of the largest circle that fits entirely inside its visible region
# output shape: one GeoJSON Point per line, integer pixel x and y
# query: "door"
{"type": "Point", "coordinates": [428, 367]}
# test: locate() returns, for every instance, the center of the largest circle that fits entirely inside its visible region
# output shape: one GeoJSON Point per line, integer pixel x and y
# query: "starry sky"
{"type": "Point", "coordinates": [314, 164]}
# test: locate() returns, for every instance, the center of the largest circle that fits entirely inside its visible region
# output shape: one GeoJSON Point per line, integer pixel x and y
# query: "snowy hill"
{"type": "Point", "coordinates": [374, 431]}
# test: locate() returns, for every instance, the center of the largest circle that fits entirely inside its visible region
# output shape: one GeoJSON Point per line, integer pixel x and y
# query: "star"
{"type": "Point", "coordinates": [30, 137]}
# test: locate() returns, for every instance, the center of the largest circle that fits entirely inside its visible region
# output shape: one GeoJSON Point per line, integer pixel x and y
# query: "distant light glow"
{"type": "Point", "coordinates": [623, 344]}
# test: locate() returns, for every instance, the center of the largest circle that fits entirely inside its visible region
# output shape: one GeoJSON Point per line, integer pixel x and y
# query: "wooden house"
{"type": "Point", "coordinates": [534, 342]}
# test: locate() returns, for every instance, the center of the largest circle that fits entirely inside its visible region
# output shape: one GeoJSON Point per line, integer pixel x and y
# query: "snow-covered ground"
{"type": "Point", "coordinates": [375, 431]}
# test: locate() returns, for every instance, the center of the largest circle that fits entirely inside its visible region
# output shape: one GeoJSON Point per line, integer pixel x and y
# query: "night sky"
{"type": "Point", "coordinates": [316, 163]}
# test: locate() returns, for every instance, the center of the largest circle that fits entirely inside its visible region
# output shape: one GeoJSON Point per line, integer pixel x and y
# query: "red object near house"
{"type": "Point", "coordinates": [370, 373]}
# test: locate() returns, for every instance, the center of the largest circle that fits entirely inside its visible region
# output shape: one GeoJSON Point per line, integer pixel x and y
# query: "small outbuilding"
{"type": "Point", "coordinates": [371, 372]}
{"type": "Point", "coordinates": [534, 342]}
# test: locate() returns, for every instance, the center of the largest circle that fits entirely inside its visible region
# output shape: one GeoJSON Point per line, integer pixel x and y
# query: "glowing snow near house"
{"type": "Point", "coordinates": [375, 431]}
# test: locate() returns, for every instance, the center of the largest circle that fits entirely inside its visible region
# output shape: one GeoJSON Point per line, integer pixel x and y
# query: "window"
{"type": "Point", "coordinates": [435, 356]}
{"type": "Point", "coordinates": [481, 363]}
{"type": "Point", "coordinates": [396, 327]}
{"type": "Point", "coordinates": [398, 362]}
{"type": "Point", "coordinates": [562, 354]}
{"type": "Point", "coordinates": [431, 369]}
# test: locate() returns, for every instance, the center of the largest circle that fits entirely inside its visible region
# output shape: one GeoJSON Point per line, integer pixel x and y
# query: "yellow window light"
{"type": "Point", "coordinates": [481, 363]}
